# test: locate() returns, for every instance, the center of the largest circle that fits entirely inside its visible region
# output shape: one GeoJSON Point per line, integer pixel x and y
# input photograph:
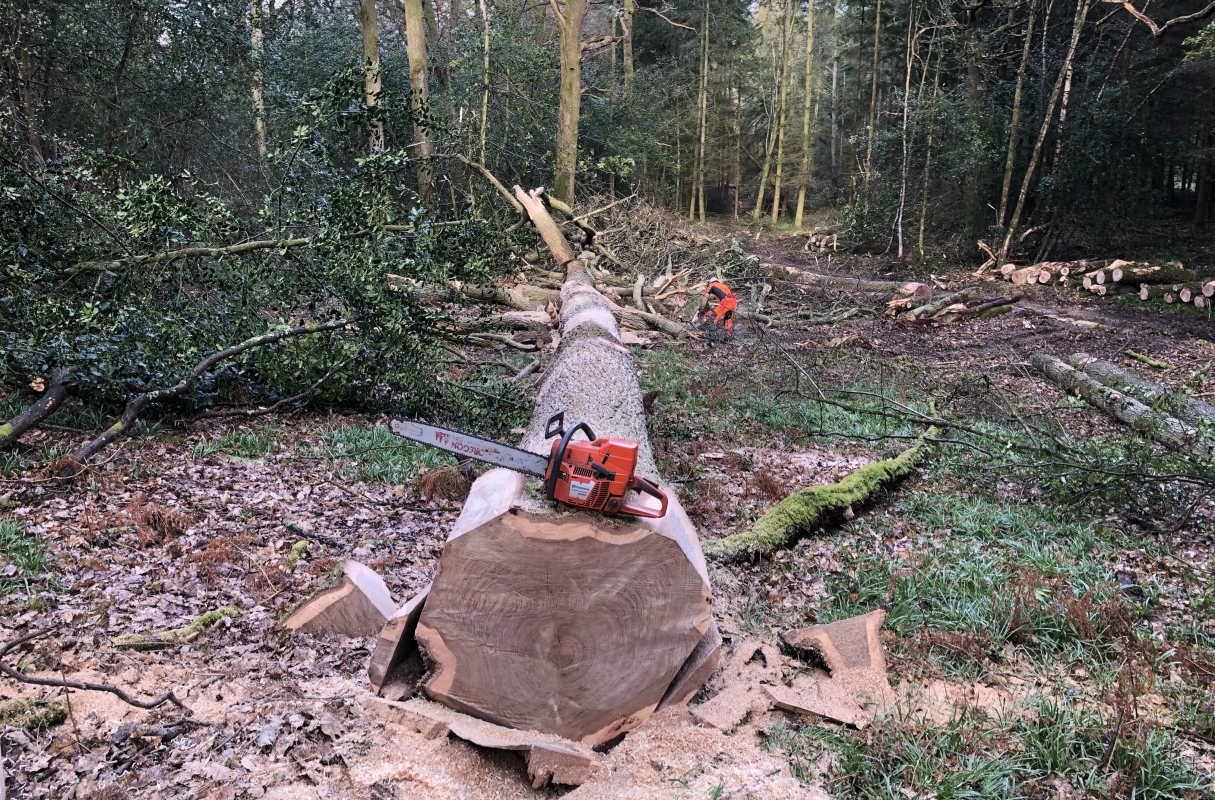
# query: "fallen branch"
{"type": "Point", "coordinates": [84, 686]}
{"type": "Point", "coordinates": [46, 405]}
{"type": "Point", "coordinates": [259, 412]}
{"type": "Point", "coordinates": [814, 505]}
{"type": "Point", "coordinates": [135, 641]}
{"type": "Point", "coordinates": [1168, 431]}
{"type": "Point", "coordinates": [141, 401]}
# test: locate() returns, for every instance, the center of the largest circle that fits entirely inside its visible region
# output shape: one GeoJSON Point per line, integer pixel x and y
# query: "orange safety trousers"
{"type": "Point", "coordinates": [725, 314]}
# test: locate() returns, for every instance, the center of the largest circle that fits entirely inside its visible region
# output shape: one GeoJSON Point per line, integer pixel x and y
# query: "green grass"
{"type": "Point", "coordinates": [372, 453]}
{"type": "Point", "coordinates": [240, 443]}
{"type": "Point", "coordinates": [21, 548]}
{"type": "Point", "coordinates": [980, 758]}
{"type": "Point", "coordinates": [11, 464]}
{"type": "Point", "coordinates": [697, 403]}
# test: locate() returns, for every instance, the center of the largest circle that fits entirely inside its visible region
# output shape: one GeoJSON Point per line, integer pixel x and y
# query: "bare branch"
{"type": "Point", "coordinates": [668, 20]}
{"type": "Point", "coordinates": [1160, 30]}
{"type": "Point", "coordinates": [167, 697]}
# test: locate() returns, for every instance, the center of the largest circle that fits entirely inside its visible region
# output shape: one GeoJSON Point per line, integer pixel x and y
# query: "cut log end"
{"type": "Point", "coordinates": [561, 624]}
{"type": "Point", "coordinates": [357, 607]}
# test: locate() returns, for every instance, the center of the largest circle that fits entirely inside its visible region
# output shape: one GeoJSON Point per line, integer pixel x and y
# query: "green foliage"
{"type": "Point", "coordinates": [21, 549]}
{"type": "Point", "coordinates": [977, 758]}
{"type": "Point", "coordinates": [376, 454]}
{"type": "Point", "coordinates": [240, 443]}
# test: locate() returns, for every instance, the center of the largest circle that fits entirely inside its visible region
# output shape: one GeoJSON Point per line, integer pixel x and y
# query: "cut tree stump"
{"type": "Point", "coordinates": [359, 606]}
{"type": "Point", "coordinates": [547, 619]}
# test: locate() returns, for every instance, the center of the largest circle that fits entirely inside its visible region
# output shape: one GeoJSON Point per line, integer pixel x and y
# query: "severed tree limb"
{"type": "Point", "coordinates": [167, 697]}
{"type": "Point", "coordinates": [258, 412]}
{"type": "Point", "coordinates": [815, 505]}
{"type": "Point", "coordinates": [185, 252]}
{"type": "Point", "coordinates": [665, 18]}
{"type": "Point", "coordinates": [144, 399]}
{"type": "Point", "coordinates": [47, 405]}
{"type": "Point", "coordinates": [1168, 431]}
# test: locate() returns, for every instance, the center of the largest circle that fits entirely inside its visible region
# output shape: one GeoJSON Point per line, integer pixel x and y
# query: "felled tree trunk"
{"type": "Point", "coordinates": [48, 404]}
{"type": "Point", "coordinates": [1168, 431]}
{"type": "Point", "coordinates": [548, 619]}
{"type": "Point", "coordinates": [1183, 407]}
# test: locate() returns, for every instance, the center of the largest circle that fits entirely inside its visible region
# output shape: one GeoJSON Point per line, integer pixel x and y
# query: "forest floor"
{"type": "Point", "coordinates": [1042, 644]}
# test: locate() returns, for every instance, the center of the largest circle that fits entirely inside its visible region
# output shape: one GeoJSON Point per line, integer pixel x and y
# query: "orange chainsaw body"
{"type": "Point", "coordinates": [597, 475]}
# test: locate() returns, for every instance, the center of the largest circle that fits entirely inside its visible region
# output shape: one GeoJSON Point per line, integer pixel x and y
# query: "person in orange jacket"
{"type": "Point", "coordinates": [721, 315]}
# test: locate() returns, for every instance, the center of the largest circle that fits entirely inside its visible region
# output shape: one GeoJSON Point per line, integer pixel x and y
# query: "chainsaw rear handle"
{"type": "Point", "coordinates": [645, 486]}
{"type": "Point", "coordinates": [554, 465]}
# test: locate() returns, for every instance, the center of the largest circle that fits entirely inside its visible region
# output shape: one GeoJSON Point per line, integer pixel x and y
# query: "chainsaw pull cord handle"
{"type": "Point", "coordinates": [645, 486]}
{"type": "Point", "coordinates": [554, 466]}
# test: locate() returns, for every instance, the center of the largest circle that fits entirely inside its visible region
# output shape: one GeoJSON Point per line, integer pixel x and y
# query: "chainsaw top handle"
{"type": "Point", "coordinates": [554, 466]}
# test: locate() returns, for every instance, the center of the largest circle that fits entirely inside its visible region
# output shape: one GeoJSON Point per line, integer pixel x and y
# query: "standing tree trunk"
{"type": "Point", "coordinates": [805, 172]}
{"type": "Point", "coordinates": [259, 102]}
{"type": "Point", "coordinates": [936, 83]}
{"type": "Point", "coordinates": [569, 106]}
{"type": "Point", "coordinates": [835, 107]}
{"type": "Point", "coordinates": [415, 45]}
{"type": "Point", "coordinates": [873, 93]}
{"type": "Point", "coordinates": [1082, 7]}
{"type": "Point", "coordinates": [702, 109]}
{"type": "Point", "coordinates": [626, 20]}
{"type": "Point", "coordinates": [737, 139]}
{"type": "Point", "coordinates": [26, 79]}
{"type": "Point", "coordinates": [785, 58]}
{"type": "Point", "coordinates": [484, 73]}
{"type": "Point", "coordinates": [112, 115]}
{"type": "Point", "coordinates": [371, 61]}
{"type": "Point", "coordinates": [1016, 116]}
{"type": "Point", "coordinates": [912, 18]}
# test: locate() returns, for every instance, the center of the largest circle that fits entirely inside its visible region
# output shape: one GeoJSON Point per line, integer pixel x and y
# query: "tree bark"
{"type": "Point", "coordinates": [549, 619]}
{"type": "Point", "coordinates": [570, 99]}
{"type": "Point", "coordinates": [1184, 407]}
{"type": "Point", "coordinates": [1166, 430]}
{"type": "Point", "coordinates": [484, 73]}
{"type": "Point", "coordinates": [786, 57]}
{"type": "Point", "coordinates": [877, 33]}
{"type": "Point", "coordinates": [371, 61]}
{"type": "Point", "coordinates": [932, 119]}
{"type": "Point", "coordinates": [415, 44]}
{"type": "Point", "coordinates": [1016, 116]}
{"type": "Point", "coordinates": [46, 405]}
{"type": "Point", "coordinates": [627, 21]}
{"type": "Point", "coordinates": [805, 171]}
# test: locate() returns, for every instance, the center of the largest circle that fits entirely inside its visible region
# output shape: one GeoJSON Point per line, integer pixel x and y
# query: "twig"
{"type": "Point", "coordinates": [257, 412]}
{"type": "Point", "coordinates": [590, 214]}
{"type": "Point", "coordinates": [167, 697]}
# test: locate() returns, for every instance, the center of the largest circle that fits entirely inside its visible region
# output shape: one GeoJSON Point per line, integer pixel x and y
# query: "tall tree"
{"type": "Point", "coordinates": [371, 62]}
{"type": "Point", "coordinates": [415, 45]}
{"type": "Point", "coordinates": [873, 97]}
{"type": "Point", "coordinates": [1016, 115]}
{"type": "Point", "coordinates": [259, 103]}
{"type": "Point", "coordinates": [569, 22]}
{"type": "Point", "coordinates": [806, 141]}
{"type": "Point", "coordinates": [782, 104]}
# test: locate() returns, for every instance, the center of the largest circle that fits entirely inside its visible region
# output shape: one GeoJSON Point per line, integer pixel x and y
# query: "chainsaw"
{"type": "Point", "coordinates": [595, 474]}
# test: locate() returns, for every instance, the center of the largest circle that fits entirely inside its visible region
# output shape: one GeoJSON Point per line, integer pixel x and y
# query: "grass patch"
{"type": "Point", "coordinates": [375, 454]}
{"type": "Point", "coordinates": [22, 550]}
{"type": "Point", "coordinates": [1050, 744]}
{"type": "Point", "coordinates": [240, 443]}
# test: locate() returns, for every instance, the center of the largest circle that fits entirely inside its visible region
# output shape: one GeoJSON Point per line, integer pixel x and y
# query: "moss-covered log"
{"type": "Point", "coordinates": [47, 405]}
{"type": "Point", "coordinates": [816, 505]}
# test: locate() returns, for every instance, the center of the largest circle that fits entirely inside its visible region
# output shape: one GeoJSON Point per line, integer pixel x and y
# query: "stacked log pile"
{"type": "Point", "coordinates": [1148, 280]}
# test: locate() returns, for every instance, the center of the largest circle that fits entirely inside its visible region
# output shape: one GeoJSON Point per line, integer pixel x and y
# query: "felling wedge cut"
{"type": "Point", "coordinates": [357, 607]}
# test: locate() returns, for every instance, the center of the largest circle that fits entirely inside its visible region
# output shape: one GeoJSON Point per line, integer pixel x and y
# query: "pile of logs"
{"type": "Point", "coordinates": [1169, 281]}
